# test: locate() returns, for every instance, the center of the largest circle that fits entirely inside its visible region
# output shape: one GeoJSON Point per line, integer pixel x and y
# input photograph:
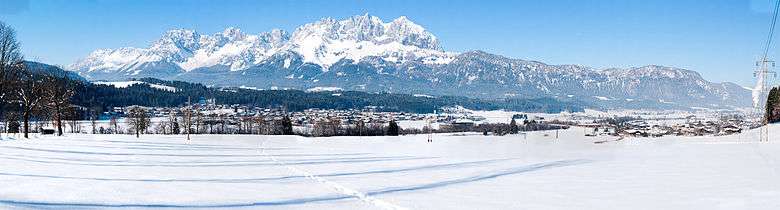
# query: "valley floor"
{"type": "Point", "coordinates": [455, 171]}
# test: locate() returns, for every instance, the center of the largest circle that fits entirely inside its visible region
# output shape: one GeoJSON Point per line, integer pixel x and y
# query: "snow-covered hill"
{"type": "Point", "coordinates": [365, 53]}
{"type": "Point", "coordinates": [535, 170]}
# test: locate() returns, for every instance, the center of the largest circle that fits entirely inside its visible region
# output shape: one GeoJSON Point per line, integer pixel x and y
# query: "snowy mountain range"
{"type": "Point", "coordinates": [367, 54]}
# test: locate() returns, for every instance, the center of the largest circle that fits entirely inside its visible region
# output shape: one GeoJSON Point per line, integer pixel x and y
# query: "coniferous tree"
{"type": "Point", "coordinates": [93, 121]}
{"type": "Point", "coordinates": [287, 128]}
{"type": "Point", "coordinates": [392, 128]}
{"type": "Point", "coordinates": [13, 126]}
{"type": "Point", "coordinates": [772, 113]}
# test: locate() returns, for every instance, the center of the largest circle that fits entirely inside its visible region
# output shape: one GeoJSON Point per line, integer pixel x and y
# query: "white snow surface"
{"type": "Point", "coordinates": [456, 171]}
{"type": "Point", "coordinates": [323, 89]}
{"type": "Point", "coordinates": [423, 95]}
{"type": "Point", "coordinates": [248, 87]}
{"type": "Point", "coordinates": [163, 87]}
{"type": "Point", "coordinates": [125, 84]}
{"type": "Point", "coordinates": [122, 84]}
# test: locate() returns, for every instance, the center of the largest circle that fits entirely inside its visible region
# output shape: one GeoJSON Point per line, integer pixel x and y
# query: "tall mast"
{"type": "Point", "coordinates": [763, 73]}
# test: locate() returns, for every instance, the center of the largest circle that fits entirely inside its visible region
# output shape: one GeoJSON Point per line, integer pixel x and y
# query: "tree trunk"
{"type": "Point", "coordinates": [59, 121]}
{"type": "Point", "coordinates": [26, 124]}
{"type": "Point", "coordinates": [5, 124]}
{"type": "Point", "coordinates": [59, 127]}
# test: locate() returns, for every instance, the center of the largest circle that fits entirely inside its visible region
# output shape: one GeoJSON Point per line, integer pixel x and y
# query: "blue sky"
{"type": "Point", "coordinates": [719, 38]}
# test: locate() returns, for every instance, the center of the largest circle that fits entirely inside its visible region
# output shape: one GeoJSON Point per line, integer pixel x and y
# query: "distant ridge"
{"type": "Point", "coordinates": [365, 53]}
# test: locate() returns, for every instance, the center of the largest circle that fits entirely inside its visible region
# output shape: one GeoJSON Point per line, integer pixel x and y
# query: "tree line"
{"type": "Point", "coordinates": [296, 100]}
{"type": "Point", "coordinates": [188, 120]}
{"type": "Point", "coordinates": [26, 95]}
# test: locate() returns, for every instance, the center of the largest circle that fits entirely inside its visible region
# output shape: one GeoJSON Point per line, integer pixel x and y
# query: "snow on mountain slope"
{"type": "Point", "coordinates": [235, 49]}
{"type": "Point", "coordinates": [323, 43]}
{"type": "Point", "coordinates": [324, 89]}
{"type": "Point", "coordinates": [123, 84]}
{"type": "Point", "coordinates": [481, 74]}
{"type": "Point", "coordinates": [327, 41]}
{"type": "Point", "coordinates": [126, 84]}
{"type": "Point", "coordinates": [189, 50]}
{"type": "Point", "coordinates": [365, 53]}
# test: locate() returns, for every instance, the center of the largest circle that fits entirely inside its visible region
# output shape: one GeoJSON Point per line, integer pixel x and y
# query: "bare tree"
{"type": "Point", "coordinates": [73, 116]}
{"type": "Point", "coordinates": [9, 84]}
{"type": "Point", "coordinates": [160, 128]}
{"type": "Point", "coordinates": [335, 125]}
{"type": "Point", "coordinates": [10, 59]}
{"type": "Point", "coordinates": [112, 123]}
{"type": "Point", "coordinates": [210, 122]}
{"type": "Point", "coordinates": [187, 120]}
{"type": "Point", "coordinates": [260, 122]}
{"type": "Point", "coordinates": [138, 119]}
{"type": "Point", "coordinates": [198, 122]}
{"type": "Point", "coordinates": [58, 93]}
{"type": "Point", "coordinates": [31, 94]}
{"type": "Point", "coordinates": [324, 127]}
{"type": "Point", "coordinates": [246, 124]}
{"type": "Point", "coordinates": [173, 121]}
{"type": "Point", "coordinates": [222, 122]}
{"type": "Point", "coordinates": [10, 49]}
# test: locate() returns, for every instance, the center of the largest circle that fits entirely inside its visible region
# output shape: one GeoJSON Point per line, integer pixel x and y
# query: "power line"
{"type": "Point", "coordinates": [771, 29]}
{"type": "Point", "coordinates": [763, 73]}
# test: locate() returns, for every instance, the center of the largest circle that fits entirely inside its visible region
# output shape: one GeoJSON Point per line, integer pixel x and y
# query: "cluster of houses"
{"type": "Point", "coordinates": [453, 119]}
{"type": "Point", "coordinates": [697, 127]}
{"type": "Point", "coordinates": [222, 118]}
{"type": "Point", "coordinates": [369, 114]}
{"type": "Point", "coordinates": [350, 116]}
{"type": "Point", "coordinates": [308, 117]}
{"type": "Point", "coordinates": [691, 127]}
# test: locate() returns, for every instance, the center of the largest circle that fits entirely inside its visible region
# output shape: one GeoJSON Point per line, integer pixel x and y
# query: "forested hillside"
{"type": "Point", "coordinates": [105, 96]}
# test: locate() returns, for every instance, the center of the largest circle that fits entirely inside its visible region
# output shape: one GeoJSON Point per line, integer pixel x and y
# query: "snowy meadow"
{"type": "Point", "coordinates": [455, 171]}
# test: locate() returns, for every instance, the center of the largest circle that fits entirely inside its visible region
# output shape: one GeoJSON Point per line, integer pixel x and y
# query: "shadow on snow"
{"type": "Point", "coordinates": [434, 185]}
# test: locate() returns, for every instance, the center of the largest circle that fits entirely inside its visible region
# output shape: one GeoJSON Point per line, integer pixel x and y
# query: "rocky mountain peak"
{"type": "Point", "coordinates": [365, 53]}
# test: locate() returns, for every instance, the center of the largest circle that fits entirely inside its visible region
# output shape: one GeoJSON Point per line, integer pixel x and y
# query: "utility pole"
{"type": "Point", "coordinates": [761, 92]}
{"type": "Point", "coordinates": [430, 131]}
{"type": "Point", "coordinates": [430, 127]}
{"type": "Point", "coordinates": [189, 116]}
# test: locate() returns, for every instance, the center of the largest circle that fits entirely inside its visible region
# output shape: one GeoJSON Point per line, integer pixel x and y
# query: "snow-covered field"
{"type": "Point", "coordinates": [456, 171]}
